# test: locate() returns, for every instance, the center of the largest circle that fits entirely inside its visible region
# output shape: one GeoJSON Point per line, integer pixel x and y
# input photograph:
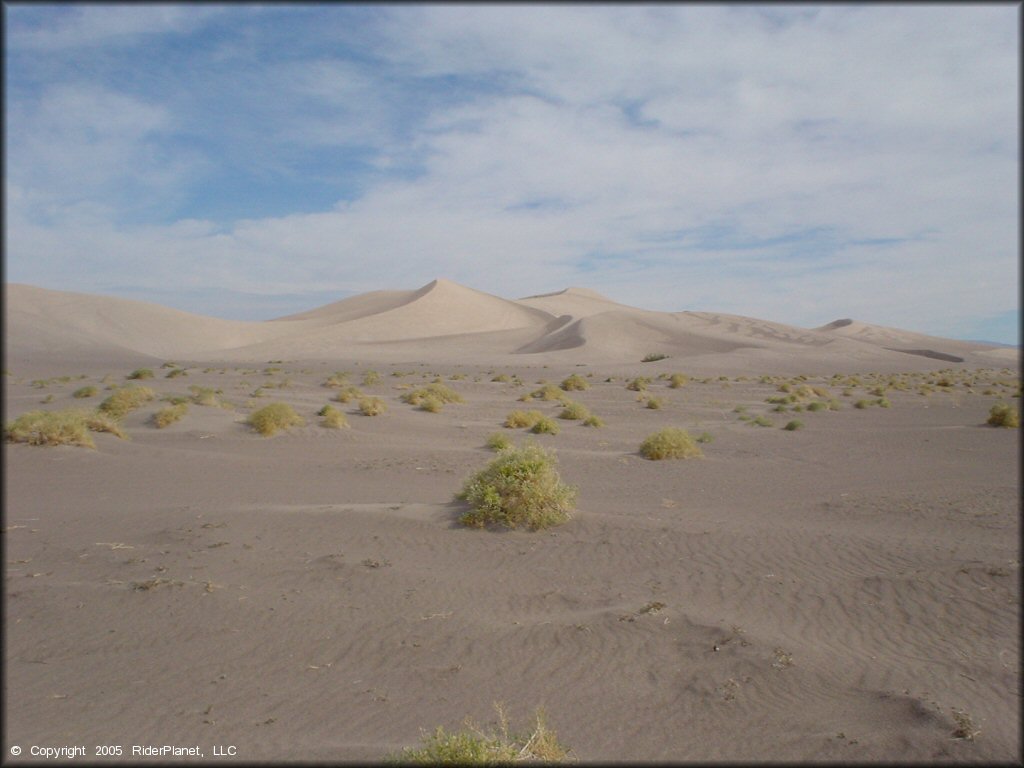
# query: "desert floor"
{"type": "Point", "coordinates": [847, 591]}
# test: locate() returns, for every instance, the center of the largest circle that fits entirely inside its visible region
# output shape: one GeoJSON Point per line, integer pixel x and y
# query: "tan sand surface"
{"type": "Point", "coordinates": [837, 593]}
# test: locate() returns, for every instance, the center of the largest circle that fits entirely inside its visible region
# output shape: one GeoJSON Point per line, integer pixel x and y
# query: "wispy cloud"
{"type": "Point", "coordinates": [790, 163]}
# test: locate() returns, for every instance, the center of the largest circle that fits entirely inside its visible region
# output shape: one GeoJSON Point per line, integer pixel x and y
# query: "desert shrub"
{"type": "Point", "coordinates": [101, 422]}
{"type": "Point", "coordinates": [68, 427]}
{"type": "Point", "coordinates": [574, 411]}
{"type": "Point", "coordinates": [670, 443]}
{"type": "Point", "coordinates": [549, 392]}
{"type": "Point", "coordinates": [653, 357]}
{"type": "Point", "coordinates": [834, 405]}
{"type": "Point", "coordinates": [763, 421]}
{"type": "Point", "coordinates": [677, 380]}
{"type": "Point", "coordinates": [274, 417]}
{"type": "Point", "coordinates": [85, 392]}
{"type": "Point", "coordinates": [167, 416]}
{"type": "Point", "coordinates": [370, 378]}
{"type": "Point", "coordinates": [575, 382]}
{"type": "Point", "coordinates": [173, 374]}
{"type": "Point", "coordinates": [125, 400]}
{"type": "Point", "coordinates": [544, 426]}
{"type": "Point", "coordinates": [817, 405]}
{"type": "Point", "coordinates": [520, 487]}
{"type": "Point", "coordinates": [477, 747]}
{"type": "Point", "coordinates": [332, 417]}
{"type": "Point", "coordinates": [336, 380]}
{"type": "Point", "coordinates": [438, 392]}
{"type": "Point", "coordinates": [704, 437]}
{"type": "Point", "coordinates": [176, 399]}
{"type": "Point", "coordinates": [654, 403]}
{"type": "Point", "coordinates": [430, 404]}
{"type": "Point", "coordinates": [862, 404]}
{"type": "Point", "coordinates": [639, 384]}
{"type": "Point", "coordinates": [498, 441]}
{"type": "Point", "coordinates": [1003, 415]}
{"type": "Point", "coordinates": [208, 395]}
{"type": "Point", "coordinates": [883, 402]}
{"type": "Point", "coordinates": [141, 373]}
{"type": "Point", "coordinates": [347, 394]}
{"type": "Point", "coordinates": [502, 377]}
{"type": "Point", "coordinates": [793, 426]}
{"type": "Point", "coordinates": [593, 421]}
{"type": "Point", "coordinates": [372, 406]}
{"type": "Point", "coordinates": [518, 419]}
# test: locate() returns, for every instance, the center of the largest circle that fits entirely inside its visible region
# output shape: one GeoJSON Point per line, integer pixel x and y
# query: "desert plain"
{"type": "Point", "coordinates": [844, 591]}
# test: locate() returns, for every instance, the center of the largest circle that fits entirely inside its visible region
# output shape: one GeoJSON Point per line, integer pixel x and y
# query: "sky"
{"type": "Point", "coordinates": [797, 164]}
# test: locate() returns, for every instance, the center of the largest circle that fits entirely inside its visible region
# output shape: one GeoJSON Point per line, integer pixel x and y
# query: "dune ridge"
{"type": "Point", "coordinates": [449, 322]}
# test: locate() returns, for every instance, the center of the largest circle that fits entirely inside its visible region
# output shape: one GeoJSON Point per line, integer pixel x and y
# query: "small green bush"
{"type": "Point", "coordinates": [274, 417]}
{"type": "Point", "coordinates": [654, 403]}
{"type": "Point", "coordinates": [639, 384]}
{"type": "Point", "coordinates": [574, 411]}
{"type": "Point", "coordinates": [206, 396]}
{"type": "Point", "coordinates": [593, 421]}
{"type": "Point", "coordinates": [332, 418]}
{"type": "Point", "coordinates": [520, 487]}
{"type": "Point", "coordinates": [862, 404]}
{"type": "Point", "coordinates": [575, 382]}
{"type": "Point", "coordinates": [372, 406]}
{"type": "Point", "coordinates": [173, 374]}
{"type": "Point", "coordinates": [1003, 415]}
{"type": "Point", "coordinates": [438, 392]}
{"type": "Point", "coordinates": [370, 378]}
{"type": "Point", "coordinates": [762, 421]}
{"type": "Point", "coordinates": [518, 419]}
{"type": "Point", "coordinates": [653, 357]}
{"type": "Point", "coordinates": [68, 427]}
{"type": "Point", "coordinates": [677, 380]}
{"type": "Point", "coordinates": [670, 443]}
{"type": "Point", "coordinates": [793, 426]}
{"type": "Point", "coordinates": [347, 394]}
{"type": "Point", "coordinates": [141, 373]}
{"type": "Point", "coordinates": [336, 380]}
{"type": "Point", "coordinates": [126, 400]}
{"type": "Point", "coordinates": [85, 392]}
{"type": "Point", "coordinates": [549, 392]}
{"type": "Point", "coordinates": [544, 426]}
{"type": "Point", "coordinates": [167, 416]}
{"type": "Point", "coordinates": [498, 441]}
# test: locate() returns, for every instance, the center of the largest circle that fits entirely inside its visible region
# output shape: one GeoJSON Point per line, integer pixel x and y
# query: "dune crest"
{"type": "Point", "coordinates": [444, 320]}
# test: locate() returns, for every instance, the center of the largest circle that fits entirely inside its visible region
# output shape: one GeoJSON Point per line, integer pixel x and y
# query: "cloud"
{"type": "Point", "coordinates": [793, 164]}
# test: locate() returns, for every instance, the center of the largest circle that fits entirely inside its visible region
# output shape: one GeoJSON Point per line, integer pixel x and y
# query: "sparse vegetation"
{"type": "Point", "coordinates": [372, 406]}
{"type": "Point", "coordinates": [653, 357]}
{"type": "Point", "coordinates": [517, 419]}
{"type": "Point", "coordinates": [544, 426]}
{"type": "Point", "coordinates": [677, 380]}
{"type": "Point", "coordinates": [68, 427]}
{"type": "Point", "coordinates": [274, 417]}
{"type": "Point", "coordinates": [793, 426]}
{"type": "Point", "coordinates": [474, 746]}
{"type": "Point", "coordinates": [348, 394]}
{"type": "Point", "coordinates": [1004, 415]}
{"type": "Point", "coordinates": [670, 443]}
{"type": "Point", "coordinates": [574, 411]}
{"type": "Point", "coordinates": [639, 384]}
{"type": "Point", "coordinates": [654, 403]}
{"type": "Point", "coordinates": [520, 487]}
{"type": "Point", "coordinates": [704, 437]}
{"type": "Point", "coordinates": [593, 421]}
{"type": "Point", "coordinates": [141, 373]}
{"type": "Point", "coordinates": [370, 378]}
{"type": "Point", "coordinates": [762, 421]}
{"type": "Point", "coordinates": [439, 393]}
{"type": "Point", "coordinates": [175, 373]}
{"type": "Point", "coordinates": [498, 441]}
{"type": "Point", "coordinates": [549, 392]}
{"type": "Point", "coordinates": [204, 395]}
{"type": "Point", "coordinates": [126, 400]}
{"type": "Point", "coordinates": [575, 382]}
{"type": "Point", "coordinates": [167, 416]}
{"type": "Point", "coordinates": [83, 392]}
{"type": "Point", "coordinates": [332, 417]}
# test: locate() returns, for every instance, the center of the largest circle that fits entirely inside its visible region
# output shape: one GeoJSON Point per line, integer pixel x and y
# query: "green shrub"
{"type": "Point", "coordinates": [332, 418]}
{"type": "Point", "coordinates": [347, 394]}
{"type": "Point", "coordinates": [639, 384]}
{"type": "Point", "coordinates": [763, 421]}
{"type": "Point", "coordinates": [883, 402]}
{"type": "Point", "coordinates": [704, 437]}
{"type": "Point", "coordinates": [372, 406]}
{"type": "Point", "coordinates": [520, 487]}
{"type": "Point", "coordinates": [437, 392]}
{"type": "Point", "coordinates": [574, 411]}
{"type": "Point", "coordinates": [862, 404]}
{"type": "Point", "coordinates": [653, 357]}
{"type": "Point", "coordinates": [677, 380]}
{"type": "Point", "coordinates": [670, 443]}
{"type": "Point", "coordinates": [1003, 415]}
{"type": "Point", "coordinates": [593, 421]}
{"type": "Point", "coordinates": [793, 426]}
{"type": "Point", "coordinates": [125, 400]}
{"type": "Point", "coordinates": [498, 441]}
{"type": "Point", "coordinates": [817, 405]}
{"type": "Point", "coordinates": [430, 404]}
{"type": "Point", "coordinates": [206, 395]}
{"type": "Point", "coordinates": [68, 427]}
{"type": "Point", "coordinates": [167, 416]}
{"type": "Point", "coordinates": [654, 403]}
{"type": "Point", "coordinates": [549, 392]}
{"type": "Point", "coordinates": [273, 417]}
{"type": "Point", "coordinates": [173, 374]}
{"type": "Point", "coordinates": [544, 426]}
{"type": "Point", "coordinates": [575, 382]}
{"type": "Point", "coordinates": [477, 747]}
{"type": "Point", "coordinates": [518, 419]}
{"type": "Point", "coordinates": [370, 378]}
{"type": "Point", "coordinates": [85, 392]}
{"type": "Point", "coordinates": [141, 373]}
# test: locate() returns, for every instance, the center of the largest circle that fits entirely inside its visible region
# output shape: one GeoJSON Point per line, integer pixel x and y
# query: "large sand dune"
{"type": "Point", "coordinates": [454, 323]}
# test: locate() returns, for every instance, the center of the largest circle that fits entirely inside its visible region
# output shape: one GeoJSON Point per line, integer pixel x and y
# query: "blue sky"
{"type": "Point", "coordinates": [797, 164]}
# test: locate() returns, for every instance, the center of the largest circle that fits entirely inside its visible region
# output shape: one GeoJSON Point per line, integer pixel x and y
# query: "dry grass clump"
{"type": "Point", "coordinates": [762, 421]}
{"type": "Point", "coordinates": [549, 392]}
{"type": "Point", "coordinates": [654, 357]}
{"type": "Point", "coordinates": [677, 380]}
{"type": "Point", "coordinates": [517, 419]}
{"type": "Point", "coordinates": [85, 392]}
{"type": "Point", "coordinates": [348, 394]}
{"type": "Point", "coordinates": [336, 380]}
{"type": "Point", "coordinates": [332, 417]}
{"type": "Point", "coordinates": [68, 427]}
{"type": "Point", "coordinates": [520, 487]}
{"type": "Point", "coordinates": [498, 441]}
{"type": "Point", "coordinates": [1004, 415]}
{"type": "Point", "coordinates": [670, 443]}
{"type": "Point", "coordinates": [370, 378]}
{"type": "Point", "coordinates": [639, 384]}
{"type": "Point", "coordinates": [474, 746]}
{"type": "Point", "coordinates": [793, 426]}
{"type": "Point", "coordinates": [438, 393]}
{"type": "Point", "coordinates": [593, 421]}
{"type": "Point", "coordinates": [574, 411]}
{"type": "Point", "coordinates": [274, 417]}
{"type": "Point", "coordinates": [545, 426]}
{"type": "Point", "coordinates": [575, 382]}
{"type": "Point", "coordinates": [204, 395]}
{"type": "Point", "coordinates": [965, 727]}
{"type": "Point", "coordinates": [175, 373]}
{"type": "Point", "coordinates": [126, 400]}
{"type": "Point", "coordinates": [141, 373]}
{"type": "Point", "coordinates": [167, 416]}
{"type": "Point", "coordinates": [654, 403]}
{"type": "Point", "coordinates": [372, 406]}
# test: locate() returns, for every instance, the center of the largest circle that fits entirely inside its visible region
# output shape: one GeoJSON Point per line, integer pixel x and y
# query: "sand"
{"type": "Point", "coordinates": [836, 593]}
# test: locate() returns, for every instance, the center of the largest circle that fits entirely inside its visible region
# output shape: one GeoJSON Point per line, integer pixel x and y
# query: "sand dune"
{"type": "Point", "coordinates": [452, 322]}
